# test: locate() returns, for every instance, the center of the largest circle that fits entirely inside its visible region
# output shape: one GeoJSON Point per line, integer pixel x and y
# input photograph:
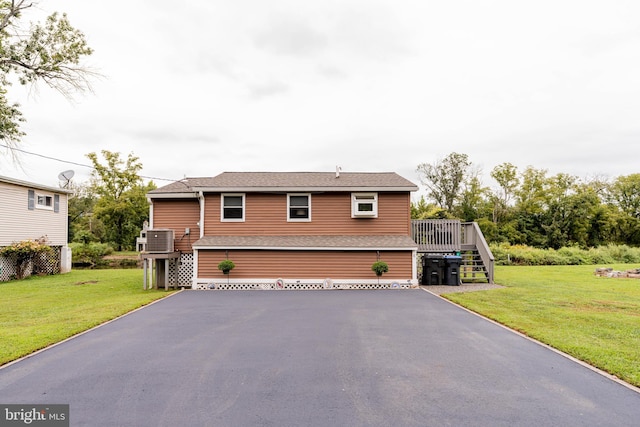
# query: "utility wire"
{"type": "Point", "coordinates": [76, 164]}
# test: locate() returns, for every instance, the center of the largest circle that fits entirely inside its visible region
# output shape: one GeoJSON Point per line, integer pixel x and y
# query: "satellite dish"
{"type": "Point", "coordinates": [66, 176]}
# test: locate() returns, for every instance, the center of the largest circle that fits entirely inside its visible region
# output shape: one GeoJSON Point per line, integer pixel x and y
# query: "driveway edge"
{"type": "Point", "coordinates": [6, 365]}
{"type": "Point", "coordinates": [540, 343]}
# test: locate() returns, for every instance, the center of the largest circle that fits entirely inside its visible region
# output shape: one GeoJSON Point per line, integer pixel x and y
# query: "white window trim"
{"type": "Point", "coordinates": [244, 207]}
{"type": "Point", "coordinates": [44, 207]}
{"type": "Point", "coordinates": [355, 213]}
{"type": "Point", "coordinates": [289, 219]}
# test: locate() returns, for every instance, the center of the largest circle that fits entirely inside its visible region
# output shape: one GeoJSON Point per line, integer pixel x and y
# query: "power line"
{"type": "Point", "coordinates": [75, 163]}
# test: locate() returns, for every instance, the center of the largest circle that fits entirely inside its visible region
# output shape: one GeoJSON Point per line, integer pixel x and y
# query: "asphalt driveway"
{"type": "Point", "coordinates": [314, 358]}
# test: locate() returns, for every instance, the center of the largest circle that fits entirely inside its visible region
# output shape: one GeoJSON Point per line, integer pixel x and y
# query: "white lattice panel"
{"type": "Point", "coordinates": [46, 263]}
{"type": "Point", "coordinates": [297, 286]}
{"type": "Point", "coordinates": [184, 271]}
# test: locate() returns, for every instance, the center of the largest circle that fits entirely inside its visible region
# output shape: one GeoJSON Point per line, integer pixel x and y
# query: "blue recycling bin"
{"type": "Point", "coordinates": [452, 269]}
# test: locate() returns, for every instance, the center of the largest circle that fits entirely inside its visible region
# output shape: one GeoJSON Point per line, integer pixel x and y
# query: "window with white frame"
{"type": "Point", "coordinates": [299, 207]}
{"type": "Point", "coordinates": [44, 201]}
{"type": "Point", "coordinates": [364, 205]}
{"type": "Point", "coordinates": [232, 208]}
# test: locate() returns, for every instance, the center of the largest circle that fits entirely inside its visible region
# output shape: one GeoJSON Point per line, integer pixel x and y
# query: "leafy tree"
{"type": "Point", "coordinates": [624, 192]}
{"type": "Point", "coordinates": [473, 199]}
{"type": "Point", "coordinates": [530, 207]}
{"type": "Point", "coordinates": [84, 226]}
{"type": "Point", "coordinates": [122, 204]}
{"type": "Point", "coordinates": [49, 52]}
{"type": "Point", "coordinates": [506, 175]}
{"type": "Point", "coordinates": [424, 210]}
{"type": "Point", "coordinates": [444, 178]}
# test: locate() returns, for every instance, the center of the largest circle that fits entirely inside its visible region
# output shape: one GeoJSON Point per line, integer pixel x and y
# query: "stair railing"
{"type": "Point", "coordinates": [472, 236]}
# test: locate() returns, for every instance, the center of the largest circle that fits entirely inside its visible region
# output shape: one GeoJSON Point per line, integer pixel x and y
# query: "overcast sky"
{"type": "Point", "coordinates": [196, 88]}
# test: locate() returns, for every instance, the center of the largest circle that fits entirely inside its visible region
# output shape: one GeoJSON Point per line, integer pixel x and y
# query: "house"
{"type": "Point", "coordinates": [298, 230]}
{"type": "Point", "coordinates": [31, 211]}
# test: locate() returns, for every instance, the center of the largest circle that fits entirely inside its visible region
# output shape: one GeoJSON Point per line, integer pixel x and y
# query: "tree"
{"type": "Point", "coordinates": [506, 175]}
{"type": "Point", "coordinates": [50, 53]}
{"type": "Point", "coordinates": [473, 198]}
{"type": "Point", "coordinates": [122, 204]}
{"type": "Point", "coordinates": [624, 193]}
{"type": "Point", "coordinates": [84, 226]}
{"type": "Point", "coordinates": [444, 178]}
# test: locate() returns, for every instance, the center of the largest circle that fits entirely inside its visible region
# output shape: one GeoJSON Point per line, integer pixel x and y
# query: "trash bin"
{"type": "Point", "coordinates": [452, 270]}
{"type": "Point", "coordinates": [433, 269]}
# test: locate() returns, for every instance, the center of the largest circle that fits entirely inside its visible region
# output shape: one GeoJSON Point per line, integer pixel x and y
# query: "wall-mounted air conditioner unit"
{"type": "Point", "coordinates": [160, 240]}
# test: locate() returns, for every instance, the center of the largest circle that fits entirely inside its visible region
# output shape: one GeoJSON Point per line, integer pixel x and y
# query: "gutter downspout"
{"type": "Point", "coordinates": [194, 277]}
{"type": "Point", "coordinates": [150, 212]}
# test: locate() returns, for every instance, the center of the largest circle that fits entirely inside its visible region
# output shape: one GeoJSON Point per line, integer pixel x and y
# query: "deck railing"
{"type": "Point", "coordinates": [436, 235]}
{"type": "Point", "coordinates": [473, 238]}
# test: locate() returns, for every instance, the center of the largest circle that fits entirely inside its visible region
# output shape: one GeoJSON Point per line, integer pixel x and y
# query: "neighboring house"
{"type": "Point", "coordinates": [307, 229]}
{"type": "Point", "coordinates": [31, 211]}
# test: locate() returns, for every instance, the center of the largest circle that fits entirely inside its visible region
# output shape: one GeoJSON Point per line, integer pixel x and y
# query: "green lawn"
{"type": "Point", "coordinates": [594, 319]}
{"type": "Point", "coordinates": [40, 311]}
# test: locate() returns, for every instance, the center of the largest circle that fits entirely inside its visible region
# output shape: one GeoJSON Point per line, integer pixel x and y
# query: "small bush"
{"type": "Point", "coordinates": [89, 253]}
{"type": "Point", "coordinates": [24, 253]}
{"type": "Point", "coordinates": [380, 267]}
{"type": "Point", "coordinates": [226, 266]}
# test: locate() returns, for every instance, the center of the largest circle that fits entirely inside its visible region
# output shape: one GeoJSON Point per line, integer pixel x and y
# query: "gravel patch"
{"type": "Point", "coordinates": [465, 287]}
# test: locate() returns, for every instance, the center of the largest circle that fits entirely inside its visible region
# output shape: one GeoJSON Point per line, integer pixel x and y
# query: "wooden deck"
{"type": "Point", "coordinates": [451, 236]}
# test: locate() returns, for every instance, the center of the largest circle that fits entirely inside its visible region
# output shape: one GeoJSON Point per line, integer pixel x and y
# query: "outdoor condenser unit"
{"type": "Point", "coordinates": [160, 240]}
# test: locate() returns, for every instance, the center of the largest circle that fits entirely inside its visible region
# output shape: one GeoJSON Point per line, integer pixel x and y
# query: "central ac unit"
{"type": "Point", "coordinates": [160, 240]}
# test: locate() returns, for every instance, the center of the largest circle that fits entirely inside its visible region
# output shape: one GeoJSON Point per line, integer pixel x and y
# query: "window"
{"type": "Point", "coordinates": [232, 207]}
{"type": "Point", "coordinates": [364, 205]}
{"type": "Point", "coordinates": [45, 202]}
{"type": "Point", "coordinates": [299, 207]}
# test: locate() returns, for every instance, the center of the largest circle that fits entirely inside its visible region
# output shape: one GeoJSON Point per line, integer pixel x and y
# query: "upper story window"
{"type": "Point", "coordinates": [232, 208]}
{"type": "Point", "coordinates": [364, 205]}
{"type": "Point", "coordinates": [299, 207]}
{"type": "Point", "coordinates": [45, 201]}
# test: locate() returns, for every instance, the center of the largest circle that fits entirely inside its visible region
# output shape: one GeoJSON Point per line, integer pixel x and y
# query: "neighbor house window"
{"type": "Point", "coordinates": [232, 207]}
{"type": "Point", "coordinates": [299, 207]}
{"type": "Point", "coordinates": [364, 205]}
{"type": "Point", "coordinates": [45, 202]}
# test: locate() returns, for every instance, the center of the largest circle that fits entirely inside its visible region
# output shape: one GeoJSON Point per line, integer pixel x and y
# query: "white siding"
{"type": "Point", "coordinates": [18, 223]}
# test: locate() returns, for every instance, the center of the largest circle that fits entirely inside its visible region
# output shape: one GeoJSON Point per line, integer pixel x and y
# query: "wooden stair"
{"type": "Point", "coordinates": [472, 269]}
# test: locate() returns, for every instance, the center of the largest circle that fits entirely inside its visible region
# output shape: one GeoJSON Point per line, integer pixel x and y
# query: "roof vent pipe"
{"type": "Point", "coordinates": [338, 169]}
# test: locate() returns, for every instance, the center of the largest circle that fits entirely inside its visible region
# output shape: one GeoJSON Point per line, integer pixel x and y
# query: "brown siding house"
{"type": "Point", "coordinates": [293, 227]}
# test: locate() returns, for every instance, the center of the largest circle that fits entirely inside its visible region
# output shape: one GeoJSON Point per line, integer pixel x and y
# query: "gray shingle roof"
{"type": "Point", "coordinates": [27, 184]}
{"type": "Point", "coordinates": [307, 242]}
{"type": "Point", "coordinates": [287, 181]}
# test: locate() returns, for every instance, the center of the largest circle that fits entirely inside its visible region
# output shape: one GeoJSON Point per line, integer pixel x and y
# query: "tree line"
{"type": "Point", "coordinates": [531, 207]}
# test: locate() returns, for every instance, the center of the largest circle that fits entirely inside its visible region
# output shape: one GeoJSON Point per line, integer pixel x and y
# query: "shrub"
{"type": "Point", "coordinates": [89, 253]}
{"type": "Point", "coordinates": [226, 266]}
{"type": "Point", "coordinates": [24, 253]}
{"type": "Point", "coordinates": [380, 267]}
{"type": "Point", "coordinates": [506, 254]}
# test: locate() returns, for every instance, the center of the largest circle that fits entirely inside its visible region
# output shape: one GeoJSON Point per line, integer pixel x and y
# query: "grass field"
{"type": "Point", "coordinates": [40, 311]}
{"type": "Point", "coordinates": [594, 319]}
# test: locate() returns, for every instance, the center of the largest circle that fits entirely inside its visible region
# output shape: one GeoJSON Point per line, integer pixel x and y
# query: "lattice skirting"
{"type": "Point", "coordinates": [41, 264]}
{"type": "Point", "coordinates": [307, 286]}
{"type": "Point", "coordinates": [184, 271]}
